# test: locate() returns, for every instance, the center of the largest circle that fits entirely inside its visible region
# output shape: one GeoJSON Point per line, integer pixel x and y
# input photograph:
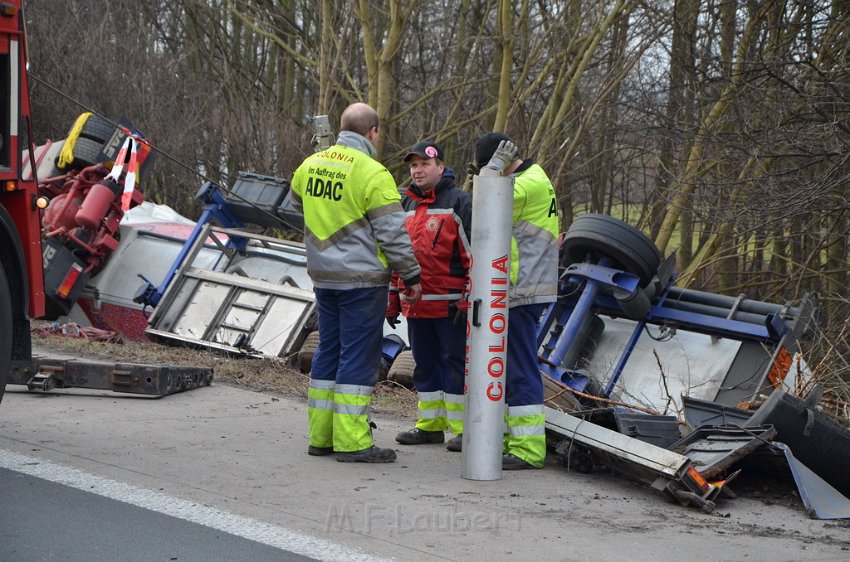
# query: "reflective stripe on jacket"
{"type": "Point", "coordinates": [353, 222]}
{"type": "Point", "coordinates": [438, 223]}
{"type": "Point", "coordinates": [534, 242]}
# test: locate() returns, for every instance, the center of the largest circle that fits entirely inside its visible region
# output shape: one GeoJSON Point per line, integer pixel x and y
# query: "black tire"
{"type": "Point", "coordinates": [308, 348]}
{"type": "Point", "coordinates": [5, 331]}
{"type": "Point", "coordinates": [86, 152]}
{"type": "Point", "coordinates": [401, 371]}
{"type": "Point", "coordinates": [98, 129]}
{"type": "Point", "coordinates": [635, 306]}
{"type": "Point", "coordinates": [593, 236]}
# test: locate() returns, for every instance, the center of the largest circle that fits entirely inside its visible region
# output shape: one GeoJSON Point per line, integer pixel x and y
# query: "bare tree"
{"type": "Point", "coordinates": [721, 127]}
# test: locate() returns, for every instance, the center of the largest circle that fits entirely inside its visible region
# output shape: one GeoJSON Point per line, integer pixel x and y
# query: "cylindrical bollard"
{"type": "Point", "coordinates": [487, 328]}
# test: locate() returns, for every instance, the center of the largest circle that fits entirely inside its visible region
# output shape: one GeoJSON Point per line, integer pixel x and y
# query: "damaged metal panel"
{"type": "Point", "coordinates": [821, 500]}
{"type": "Point", "coordinates": [816, 440]}
{"type": "Point", "coordinates": [702, 412]}
{"type": "Point", "coordinates": [661, 431]}
{"type": "Point", "coordinates": [664, 470]}
{"type": "Point", "coordinates": [229, 311]}
{"type": "Point", "coordinates": [761, 367]}
{"type": "Point", "coordinates": [713, 449]}
{"type": "Point", "coordinates": [692, 364]}
{"type": "Point", "coordinates": [623, 447]}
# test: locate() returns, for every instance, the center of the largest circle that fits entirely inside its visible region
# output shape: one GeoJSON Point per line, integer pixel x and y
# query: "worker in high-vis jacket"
{"type": "Point", "coordinates": [439, 216]}
{"type": "Point", "coordinates": [355, 238]}
{"type": "Point", "coordinates": [533, 284]}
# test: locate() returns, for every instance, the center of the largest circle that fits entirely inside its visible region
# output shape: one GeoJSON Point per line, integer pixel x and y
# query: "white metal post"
{"type": "Point", "coordinates": [487, 328]}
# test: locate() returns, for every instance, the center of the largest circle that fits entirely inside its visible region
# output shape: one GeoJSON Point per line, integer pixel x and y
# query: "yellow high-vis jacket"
{"type": "Point", "coordinates": [353, 221]}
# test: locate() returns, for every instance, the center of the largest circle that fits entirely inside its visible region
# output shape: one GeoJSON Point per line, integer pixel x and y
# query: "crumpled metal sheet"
{"type": "Point", "coordinates": [704, 412]}
{"type": "Point", "coordinates": [814, 438]}
{"type": "Point", "coordinates": [714, 448]}
{"type": "Point", "coordinates": [820, 499]}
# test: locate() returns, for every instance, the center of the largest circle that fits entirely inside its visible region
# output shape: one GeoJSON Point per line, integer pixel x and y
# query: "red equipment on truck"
{"type": "Point", "coordinates": [21, 275]}
{"type": "Point", "coordinates": [77, 210]}
{"type": "Point", "coordinates": [87, 203]}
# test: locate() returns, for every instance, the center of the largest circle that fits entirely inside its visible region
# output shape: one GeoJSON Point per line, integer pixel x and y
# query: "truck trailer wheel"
{"type": "Point", "coordinates": [594, 236]}
{"type": "Point", "coordinates": [308, 348]}
{"type": "Point", "coordinates": [5, 331]}
{"type": "Point", "coordinates": [401, 371]}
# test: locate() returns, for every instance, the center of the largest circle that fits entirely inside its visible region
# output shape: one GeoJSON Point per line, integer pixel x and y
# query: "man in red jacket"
{"type": "Point", "coordinates": [439, 215]}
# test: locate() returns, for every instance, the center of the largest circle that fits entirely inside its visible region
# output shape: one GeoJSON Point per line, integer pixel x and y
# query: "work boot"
{"type": "Point", "coordinates": [455, 444]}
{"type": "Point", "coordinates": [372, 454]}
{"type": "Point", "coordinates": [314, 451]}
{"type": "Point", "coordinates": [511, 462]}
{"type": "Point", "coordinates": [418, 436]}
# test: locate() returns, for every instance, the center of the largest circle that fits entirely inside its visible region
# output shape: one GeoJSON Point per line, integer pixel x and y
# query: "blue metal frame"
{"type": "Point", "coordinates": [773, 329]}
{"type": "Point", "coordinates": [215, 208]}
{"type": "Point", "coordinates": [595, 277]}
{"type": "Point", "coordinates": [562, 321]}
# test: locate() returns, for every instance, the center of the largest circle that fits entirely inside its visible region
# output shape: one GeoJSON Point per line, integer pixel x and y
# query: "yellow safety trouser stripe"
{"type": "Point", "coordinates": [526, 438]}
{"type": "Point", "coordinates": [320, 416]}
{"type": "Point", "coordinates": [432, 413]}
{"type": "Point", "coordinates": [351, 430]}
{"type": "Point", "coordinates": [454, 413]}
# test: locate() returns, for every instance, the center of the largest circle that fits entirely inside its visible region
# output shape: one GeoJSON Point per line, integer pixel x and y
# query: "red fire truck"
{"type": "Point", "coordinates": [21, 274]}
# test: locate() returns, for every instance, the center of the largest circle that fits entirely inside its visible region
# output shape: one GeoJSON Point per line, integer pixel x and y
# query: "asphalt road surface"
{"type": "Point", "coordinates": [43, 520]}
{"type": "Point", "coordinates": [220, 473]}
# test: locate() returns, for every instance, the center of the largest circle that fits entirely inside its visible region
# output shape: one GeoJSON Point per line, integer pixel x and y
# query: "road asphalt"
{"type": "Point", "coordinates": [236, 460]}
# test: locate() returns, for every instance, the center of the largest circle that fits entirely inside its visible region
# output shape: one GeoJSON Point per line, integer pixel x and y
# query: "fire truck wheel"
{"type": "Point", "coordinates": [593, 236]}
{"type": "Point", "coordinates": [98, 129]}
{"type": "Point", "coordinates": [5, 330]}
{"type": "Point", "coordinates": [401, 371]}
{"type": "Point", "coordinates": [305, 354]}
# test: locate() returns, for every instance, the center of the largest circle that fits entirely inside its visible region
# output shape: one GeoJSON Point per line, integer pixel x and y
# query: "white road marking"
{"type": "Point", "coordinates": [238, 525]}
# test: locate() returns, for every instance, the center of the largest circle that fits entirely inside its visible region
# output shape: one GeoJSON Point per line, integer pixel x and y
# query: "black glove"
{"type": "Point", "coordinates": [393, 307]}
{"type": "Point", "coordinates": [457, 310]}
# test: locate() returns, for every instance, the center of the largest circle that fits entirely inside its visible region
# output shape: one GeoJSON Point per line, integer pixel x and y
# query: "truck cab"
{"type": "Point", "coordinates": [21, 274]}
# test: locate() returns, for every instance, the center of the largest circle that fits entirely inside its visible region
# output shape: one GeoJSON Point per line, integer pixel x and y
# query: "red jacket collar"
{"type": "Point", "coordinates": [416, 194]}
